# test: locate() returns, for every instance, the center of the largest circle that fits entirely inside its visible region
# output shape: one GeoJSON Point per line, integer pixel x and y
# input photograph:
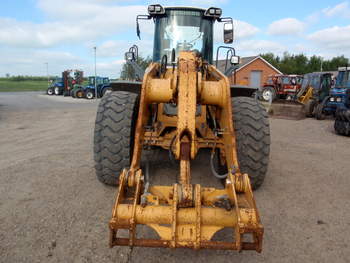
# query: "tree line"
{"type": "Point", "coordinates": [128, 72]}
{"type": "Point", "coordinates": [301, 64]}
{"type": "Point", "coordinates": [24, 78]}
{"type": "Point", "coordinates": [287, 63]}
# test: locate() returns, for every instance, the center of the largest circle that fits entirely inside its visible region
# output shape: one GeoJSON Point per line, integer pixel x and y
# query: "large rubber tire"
{"type": "Point", "coordinates": [104, 91]}
{"type": "Point", "coordinates": [310, 108]}
{"type": "Point", "coordinates": [319, 112]}
{"type": "Point", "coordinates": [252, 129]}
{"type": "Point", "coordinates": [89, 95]}
{"type": "Point", "coordinates": [342, 122]}
{"type": "Point", "coordinates": [57, 91]}
{"type": "Point", "coordinates": [73, 93]}
{"type": "Point", "coordinates": [79, 93]}
{"type": "Point", "coordinates": [342, 127]}
{"type": "Point", "coordinates": [268, 94]}
{"type": "Point", "coordinates": [50, 91]}
{"type": "Point", "coordinates": [113, 136]}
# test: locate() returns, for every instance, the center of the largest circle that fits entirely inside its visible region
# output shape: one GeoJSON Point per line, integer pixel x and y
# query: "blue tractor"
{"type": "Point", "coordinates": [102, 85]}
{"type": "Point", "coordinates": [55, 86]}
{"type": "Point", "coordinates": [337, 95]}
{"type": "Point", "coordinates": [342, 116]}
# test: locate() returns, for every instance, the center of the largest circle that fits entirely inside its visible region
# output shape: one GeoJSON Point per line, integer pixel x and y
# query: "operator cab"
{"type": "Point", "coordinates": [183, 30]}
{"type": "Point", "coordinates": [186, 29]}
{"type": "Point", "coordinates": [343, 79]}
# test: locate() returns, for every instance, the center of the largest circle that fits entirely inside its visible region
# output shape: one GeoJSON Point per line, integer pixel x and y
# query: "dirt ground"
{"type": "Point", "coordinates": [53, 209]}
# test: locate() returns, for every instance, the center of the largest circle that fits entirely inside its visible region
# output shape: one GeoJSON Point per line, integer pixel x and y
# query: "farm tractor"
{"type": "Point", "coordinates": [336, 97]}
{"type": "Point", "coordinates": [57, 84]}
{"type": "Point", "coordinates": [315, 88]}
{"type": "Point", "coordinates": [78, 91]}
{"type": "Point", "coordinates": [281, 87]}
{"type": "Point", "coordinates": [342, 116]}
{"type": "Point", "coordinates": [102, 85]}
{"type": "Point", "coordinates": [70, 78]}
{"type": "Point", "coordinates": [184, 104]}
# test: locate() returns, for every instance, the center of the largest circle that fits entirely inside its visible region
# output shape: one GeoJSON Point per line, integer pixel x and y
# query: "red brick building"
{"type": "Point", "coordinates": [251, 71]}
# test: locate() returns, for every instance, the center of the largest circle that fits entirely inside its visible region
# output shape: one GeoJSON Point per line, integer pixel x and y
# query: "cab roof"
{"type": "Point", "coordinates": [186, 7]}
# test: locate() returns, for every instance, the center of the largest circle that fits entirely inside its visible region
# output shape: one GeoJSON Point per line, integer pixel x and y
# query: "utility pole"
{"type": "Point", "coordinates": [47, 74]}
{"type": "Point", "coordinates": [95, 75]}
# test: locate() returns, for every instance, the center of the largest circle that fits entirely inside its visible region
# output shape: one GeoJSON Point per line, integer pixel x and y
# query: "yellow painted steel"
{"type": "Point", "coordinates": [186, 215]}
{"type": "Point", "coordinates": [307, 96]}
{"type": "Point", "coordinates": [160, 90]}
{"type": "Point", "coordinates": [162, 215]}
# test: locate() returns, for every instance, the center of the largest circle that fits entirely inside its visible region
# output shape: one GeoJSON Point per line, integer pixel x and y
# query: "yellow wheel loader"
{"type": "Point", "coordinates": [183, 105]}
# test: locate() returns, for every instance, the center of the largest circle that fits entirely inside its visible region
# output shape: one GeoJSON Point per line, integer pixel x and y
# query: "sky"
{"type": "Point", "coordinates": [64, 32]}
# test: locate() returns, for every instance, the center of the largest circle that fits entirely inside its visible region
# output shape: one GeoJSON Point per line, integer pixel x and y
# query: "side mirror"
{"type": "Point", "coordinates": [138, 32]}
{"type": "Point", "coordinates": [228, 33]}
{"type": "Point", "coordinates": [234, 60]}
{"type": "Point", "coordinates": [141, 17]}
{"type": "Point", "coordinates": [130, 56]}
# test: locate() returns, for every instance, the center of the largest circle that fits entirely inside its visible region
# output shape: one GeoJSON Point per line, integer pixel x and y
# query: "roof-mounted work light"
{"type": "Point", "coordinates": [156, 10]}
{"type": "Point", "coordinates": [213, 12]}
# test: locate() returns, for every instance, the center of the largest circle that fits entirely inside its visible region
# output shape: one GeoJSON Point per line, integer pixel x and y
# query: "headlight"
{"type": "Point", "coordinates": [332, 99]}
{"type": "Point", "coordinates": [338, 99]}
{"type": "Point", "coordinates": [129, 56]}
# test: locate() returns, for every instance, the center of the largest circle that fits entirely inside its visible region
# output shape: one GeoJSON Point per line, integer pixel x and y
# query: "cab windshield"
{"type": "Point", "coordinates": [285, 80]}
{"type": "Point", "coordinates": [343, 79]}
{"type": "Point", "coordinates": [92, 81]}
{"type": "Point", "coordinates": [183, 30]}
{"type": "Point", "coordinates": [305, 82]}
{"type": "Point", "coordinates": [311, 80]}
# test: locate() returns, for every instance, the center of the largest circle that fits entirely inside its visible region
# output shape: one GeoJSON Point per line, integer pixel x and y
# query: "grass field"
{"type": "Point", "coordinates": [25, 85]}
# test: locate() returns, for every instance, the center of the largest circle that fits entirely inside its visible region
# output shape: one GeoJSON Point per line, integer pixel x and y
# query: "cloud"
{"type": "Point", "coordinates": [255, 47]}
{"type": "Point", "coordinates": [286, 26]}
{"type": "Point", "coordinates": [69, 25]}
{"type": "Point", "coordinates": [117, 48]}
{"type": "Point", "coordinates": [313, 18]}
{"type": "Point", "coordinates": [113, 48]}
{"type": "Point", "coordinates": [242, 30]}
{"type": "Point", "coordinates": [27, 34]}
{"type": "Point", "coordinates": [341, 9]}
{"type": "Point", "coordinates": [336, 38]}
{"type": "Point", "coordinates": [22, 62]}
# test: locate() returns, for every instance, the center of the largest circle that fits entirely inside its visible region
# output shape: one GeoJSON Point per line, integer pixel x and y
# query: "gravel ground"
{"type": "Point", "coordinates": [53, 209]}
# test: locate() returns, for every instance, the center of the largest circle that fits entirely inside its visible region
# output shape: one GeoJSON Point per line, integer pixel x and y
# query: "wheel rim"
{"type": "Point", "coordinates": [57, 91]}
{"type": "Point", "coordinates": [79, 94]}
{"type": "Point", "coordinates": [267, 95]}
{"type": "Point", "coordinates": [89, 95]}
{"type": "Point", "coordinates": [50, 92]}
